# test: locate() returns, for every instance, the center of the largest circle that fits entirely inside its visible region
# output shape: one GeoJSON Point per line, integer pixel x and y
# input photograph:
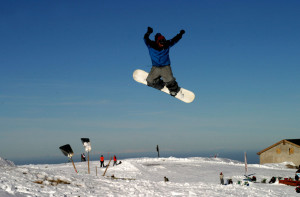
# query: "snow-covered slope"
{"type": "Point", "coordinates": [143, 177]}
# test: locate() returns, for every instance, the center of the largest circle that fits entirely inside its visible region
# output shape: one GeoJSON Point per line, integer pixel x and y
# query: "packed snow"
{"type": "Point", "coordinates": [196, 176]}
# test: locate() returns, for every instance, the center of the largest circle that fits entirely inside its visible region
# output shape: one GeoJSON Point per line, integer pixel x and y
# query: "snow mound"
{"type": "Point", "coordinates": [4, 162]}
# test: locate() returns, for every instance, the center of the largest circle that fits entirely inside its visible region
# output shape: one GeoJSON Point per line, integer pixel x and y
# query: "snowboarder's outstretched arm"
{"type": "Point", "coordinates": [146, 36]}
{"type": "Point", "coordinates": [174, 40]}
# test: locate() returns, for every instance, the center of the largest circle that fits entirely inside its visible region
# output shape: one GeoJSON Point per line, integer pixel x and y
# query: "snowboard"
{"type": "Point", "coordinates": [183, 94]}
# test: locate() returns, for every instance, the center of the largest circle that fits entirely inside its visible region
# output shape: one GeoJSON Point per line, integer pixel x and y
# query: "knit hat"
{"type": "Point", "coordinates": [157, 35]}
{"type": "Point", "coordinates": [159, 38]}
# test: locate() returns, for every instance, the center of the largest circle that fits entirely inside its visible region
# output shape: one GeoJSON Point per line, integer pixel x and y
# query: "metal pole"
{"type": "Point", "coordinates": [107, 167]}
{"type": "Point", "coordinates": [73, 165]}
{"type": "Point", "coordinates": [89, 162]}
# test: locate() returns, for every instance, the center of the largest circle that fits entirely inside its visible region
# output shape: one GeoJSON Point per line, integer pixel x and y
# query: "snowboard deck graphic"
{"type": "Point", "coordinates": [183, 94]}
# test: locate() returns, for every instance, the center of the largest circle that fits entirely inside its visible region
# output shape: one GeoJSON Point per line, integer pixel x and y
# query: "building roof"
{"type": "Point", "coordinates": [295, 142]}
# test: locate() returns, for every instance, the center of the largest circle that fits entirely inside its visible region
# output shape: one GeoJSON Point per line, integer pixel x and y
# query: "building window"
{"type": "Point", "coordinates": [291, 151]}
{"type": "Point", "coordinates": [278, 151]}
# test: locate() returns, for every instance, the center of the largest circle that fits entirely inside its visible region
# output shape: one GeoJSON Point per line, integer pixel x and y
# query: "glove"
{"type": "Point", "coordinates": [150, 30]}
{"type": "Point", "coordinates": [182, 32]}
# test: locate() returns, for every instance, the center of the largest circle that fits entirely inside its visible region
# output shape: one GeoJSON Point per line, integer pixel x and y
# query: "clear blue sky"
{"type": "Point", "coordinates": [66, 72]}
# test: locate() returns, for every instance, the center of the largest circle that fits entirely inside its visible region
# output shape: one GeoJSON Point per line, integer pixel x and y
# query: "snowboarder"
{"type": "Point", "coordinates": [115, 160]}
{"type": "Point", "coordinates": [83, 157]}
{"type": "Point", "coordinates": [222, 178]}
{"type": "Point", "coordinates": [161, 65]}
{"type": "Point", "coordinates": [101, 161]}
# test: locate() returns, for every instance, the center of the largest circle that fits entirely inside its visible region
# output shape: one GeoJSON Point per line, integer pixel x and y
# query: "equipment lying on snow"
{"type": "Point", "coordinates": [289, 181]}
{"type": "Point", "coordinates": [249, 178]}
{"type": "Point", "coordinates": [113, 177]}
{"type": "Point", "coordinates": [67, 151]}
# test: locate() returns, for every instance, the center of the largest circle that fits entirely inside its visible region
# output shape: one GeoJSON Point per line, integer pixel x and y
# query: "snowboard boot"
{"type": "Point", "coordinates": [173, 88]}
{"type": "Point", "coordinates": [157, 84]}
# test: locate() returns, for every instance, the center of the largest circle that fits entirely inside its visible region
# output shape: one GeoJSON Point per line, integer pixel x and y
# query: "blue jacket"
{"type": "Point", "coordinates": [160, 56]}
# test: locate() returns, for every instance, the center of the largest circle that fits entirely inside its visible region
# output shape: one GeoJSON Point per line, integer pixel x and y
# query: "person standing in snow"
{"type": "Point", "coordinates": [161, 65]}
{"type": "Point", "coordinates": [222, 178]}
{"type": "Point", "coordinates": [101, 161]}
{"type": "Point", "coordinates": [115, 160]}
{"type": "Point", "coordinates": [83, 157]}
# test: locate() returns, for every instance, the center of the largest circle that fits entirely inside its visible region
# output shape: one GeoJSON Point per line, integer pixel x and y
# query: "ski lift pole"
{"type": "Point", "coordinates": [89, 162]}
{"type": "Point", "coordinates": [246, 167]}
{"type": "Point", "coordinates": [73, 165]}
{"type": "Point", "coordinates": [107, 166]}
{"type": "Point", "coordinates": [87, 145]}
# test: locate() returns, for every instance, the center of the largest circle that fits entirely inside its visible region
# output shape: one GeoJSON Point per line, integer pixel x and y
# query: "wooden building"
{"type": "Point", "coordinates": [283, 151]}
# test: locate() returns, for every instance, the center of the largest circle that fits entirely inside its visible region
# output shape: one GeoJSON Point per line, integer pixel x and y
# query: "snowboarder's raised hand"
{"type": "Point", "coordinates": [150, 30]}
{"type": "Point", "coordinates": [182, 32]}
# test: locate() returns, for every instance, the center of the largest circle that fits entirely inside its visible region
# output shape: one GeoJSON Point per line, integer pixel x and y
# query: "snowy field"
{"type": "Point", "coordinates": [197, 176]}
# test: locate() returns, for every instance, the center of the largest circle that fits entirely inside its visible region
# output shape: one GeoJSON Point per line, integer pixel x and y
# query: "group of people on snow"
{"type": "Point", "coordinates": [114, 158]}
{"type": "Point", "coordinates": [83, 159]}
{"type": "Point", "coordinates": [229, 181]}
{"type": "Point", "coordinates": [272, 180]}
